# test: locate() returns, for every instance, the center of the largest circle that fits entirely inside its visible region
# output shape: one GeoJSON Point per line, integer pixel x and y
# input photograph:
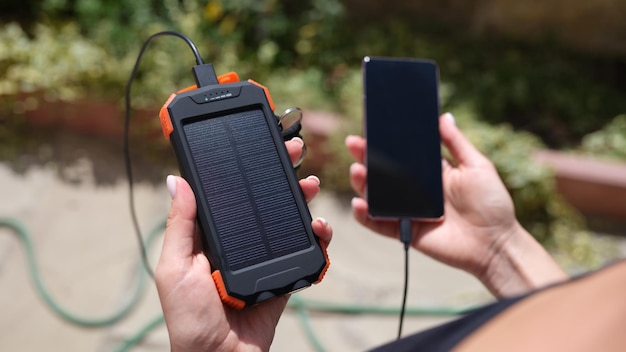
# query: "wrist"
{"type": "Point", "coordinates": [519, 264]}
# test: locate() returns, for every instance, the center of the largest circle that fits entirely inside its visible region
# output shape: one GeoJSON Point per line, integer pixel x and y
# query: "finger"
{"type": "Point", "coordinates": [310, 187]}
{"type": "Point", "coordinates": [356, 147]}
{"type": "Point", "coordinates": [459, 146]}
{"type": "Point", "coordinates": [295, 147]}
{"type": "Point", "coordinates": [180, 231]}
{"type": "Point", "coordinates": [322, 229]}
{"type": "Point", "coordinates": [384, 227]}
{"type": "Point", "coordinates": [358, 178]}
{"type": "Point", "coordinates": [446, 166]}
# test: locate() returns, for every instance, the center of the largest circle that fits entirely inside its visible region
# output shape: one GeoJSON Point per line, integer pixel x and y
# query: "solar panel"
{"type": "Point", "coordinates": [252, 205]}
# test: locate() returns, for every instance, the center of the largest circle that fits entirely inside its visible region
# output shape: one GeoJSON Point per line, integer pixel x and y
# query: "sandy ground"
{"type": "Point", "coordinates": [87, 259]}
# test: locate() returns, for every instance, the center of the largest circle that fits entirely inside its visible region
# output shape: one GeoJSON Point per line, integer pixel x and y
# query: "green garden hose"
{"type": "Point", "coordinates": [301, 305]}
{"type": "Point", "coordinates": [63, 313]}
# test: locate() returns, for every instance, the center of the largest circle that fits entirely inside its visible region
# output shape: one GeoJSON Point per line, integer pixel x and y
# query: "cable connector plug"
{"type": "Point", "coordinates": [204, 75]}
{"type": "Point", "coordinates": [406, 235]}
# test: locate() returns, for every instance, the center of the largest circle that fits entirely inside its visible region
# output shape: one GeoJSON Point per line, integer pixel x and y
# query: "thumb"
{"type": "Point", "coordinates": [459, 146]}
{"type": "Point", "coordinates": [179, 238]}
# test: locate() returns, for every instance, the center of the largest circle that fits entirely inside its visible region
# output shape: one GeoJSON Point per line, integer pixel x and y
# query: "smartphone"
{"type": "Point", "coordinates": [255, 223]}
{"type": "Point", "coordinates": [401, 125]}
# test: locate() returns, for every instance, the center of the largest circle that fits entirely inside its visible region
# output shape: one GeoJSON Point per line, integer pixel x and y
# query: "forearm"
{"type": "Point", "coordinates": [519, 265]}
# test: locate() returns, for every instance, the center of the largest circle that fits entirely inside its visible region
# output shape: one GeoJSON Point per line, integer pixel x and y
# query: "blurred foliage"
{"type": "Point", "coordinates": [544, 89]}
{"type": "Point", "coordinates": [541, 87]}
{"type": "Point", "coordinates": [60, 62]}
{"type": "Point", "coordinates": [291, 87]}
{"type": "Point", "coordinates": [609, 142]}
{"type": "Point", "coordinates": [308, 53]}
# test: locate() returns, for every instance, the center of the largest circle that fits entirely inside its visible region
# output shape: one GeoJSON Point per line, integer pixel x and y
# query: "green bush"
{"type": "Point", "coordinates": [540, 87]}
{"type": "Point", "coordinates": [609, 142]}
{"type": "Point", "coordinates": [58, 61]}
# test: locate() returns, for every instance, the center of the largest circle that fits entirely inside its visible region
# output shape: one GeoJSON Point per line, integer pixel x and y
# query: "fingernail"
{"type": "Point", "coordinates": [353, 201]}
{"type": "Point", "coordinates": [353, 167]}
{"type": "Point", "coordinates": [171, 185]}
{"type": "Point", "coordinates": [450, 117]}
{"type": "Point", "coordinates": [323, 221]}
{"type": "Point", "coordinates": [299, 140]}
{"type": "Point", "coordinates": [314, 178]}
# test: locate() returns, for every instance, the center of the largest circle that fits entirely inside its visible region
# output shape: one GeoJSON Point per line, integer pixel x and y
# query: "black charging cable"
{"type": "Point", "coordinates": [127, 158]}
{"type": "Point", "coordinates": [406, 236]}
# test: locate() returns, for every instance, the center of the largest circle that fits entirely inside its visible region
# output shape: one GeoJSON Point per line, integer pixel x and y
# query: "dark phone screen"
{"type": "Point", "coordinates": [403, 155]}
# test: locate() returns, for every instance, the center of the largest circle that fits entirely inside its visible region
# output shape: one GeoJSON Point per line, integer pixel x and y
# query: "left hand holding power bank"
{"type": "Point", "coordinates": [183, 279]}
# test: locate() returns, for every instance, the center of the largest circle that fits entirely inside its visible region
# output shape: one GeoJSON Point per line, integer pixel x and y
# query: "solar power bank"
{"type": "Point", "coordinates": [255, 223]}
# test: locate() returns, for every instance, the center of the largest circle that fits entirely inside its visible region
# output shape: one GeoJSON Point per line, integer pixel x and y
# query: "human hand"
{"type": "Point", "coordinates": [480, 233]}
{"type": "Point", "coordinates": [195, 316]}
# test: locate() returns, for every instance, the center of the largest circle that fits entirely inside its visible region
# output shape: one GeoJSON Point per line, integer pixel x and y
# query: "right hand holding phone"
{"type": "Point", "coordinates": [480, 233]}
